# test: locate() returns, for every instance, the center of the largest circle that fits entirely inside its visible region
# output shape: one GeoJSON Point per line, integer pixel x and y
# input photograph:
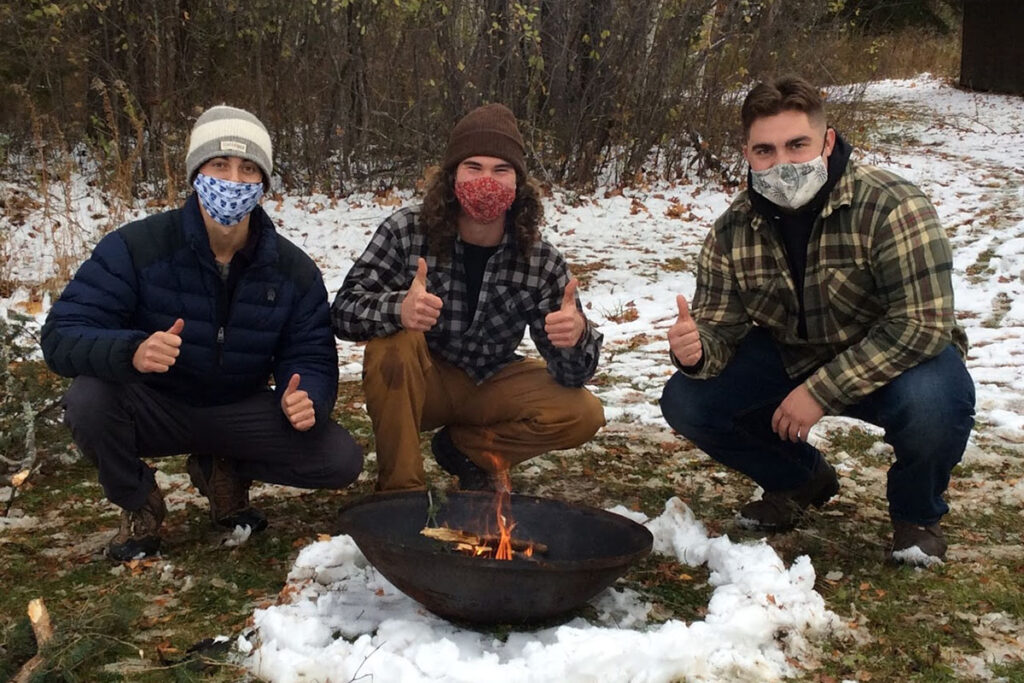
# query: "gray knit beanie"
{"type": "Point", "coordinates": [224, 131]}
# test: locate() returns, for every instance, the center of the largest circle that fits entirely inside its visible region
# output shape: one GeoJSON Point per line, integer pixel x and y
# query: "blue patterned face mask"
{"type": "Point", "coordinates": [226, 201]}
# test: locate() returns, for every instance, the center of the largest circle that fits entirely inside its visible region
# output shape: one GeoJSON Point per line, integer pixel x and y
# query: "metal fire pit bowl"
{"type": "Point", "coordinates": [587, 550]}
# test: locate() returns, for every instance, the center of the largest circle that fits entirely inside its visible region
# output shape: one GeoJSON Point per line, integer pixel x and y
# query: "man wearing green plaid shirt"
{"type": "Point", "coordinates": [824, 289]}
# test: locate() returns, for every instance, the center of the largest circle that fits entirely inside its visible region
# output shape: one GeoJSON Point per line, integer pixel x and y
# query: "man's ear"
{"type": "Point", "coordinates": [830, 141]}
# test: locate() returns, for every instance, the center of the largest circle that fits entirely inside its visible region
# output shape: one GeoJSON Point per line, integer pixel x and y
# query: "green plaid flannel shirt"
{"type": "Point", "coordinates": [878, 294]}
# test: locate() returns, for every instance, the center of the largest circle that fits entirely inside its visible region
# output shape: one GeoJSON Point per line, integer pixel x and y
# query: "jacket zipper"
{"type": "Point", "coordinates": [222, 318]}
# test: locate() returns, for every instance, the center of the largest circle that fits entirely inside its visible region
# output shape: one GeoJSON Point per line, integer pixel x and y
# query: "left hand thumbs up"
{"type": "Point", "coordinates": [297, 405]}
{"type": "Point", "coordinates": [565, 327]}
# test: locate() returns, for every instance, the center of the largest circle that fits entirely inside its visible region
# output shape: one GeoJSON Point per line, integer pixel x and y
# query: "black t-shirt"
{"type": "Point", "coordinates": [474, 264]}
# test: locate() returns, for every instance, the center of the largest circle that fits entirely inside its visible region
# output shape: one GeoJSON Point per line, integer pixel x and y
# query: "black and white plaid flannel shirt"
{"type": "Point", "coordinates": [515, 294]}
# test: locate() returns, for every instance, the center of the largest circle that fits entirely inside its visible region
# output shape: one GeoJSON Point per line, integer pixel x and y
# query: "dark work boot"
{"type": "Point", "coordinates": [783, 510]}
{"type": "Point", "coordinates": [139, 533]}
{"type": "Point", "coordinates": [471, 476]}
{"type": "Point", "coordinates": [916, 544]}
{"type": "Point", "coordinates": [228, 494]}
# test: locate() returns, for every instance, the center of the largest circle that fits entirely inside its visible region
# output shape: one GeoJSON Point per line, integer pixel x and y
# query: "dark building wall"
{"type": "Point", "coordinates": [992, 54]}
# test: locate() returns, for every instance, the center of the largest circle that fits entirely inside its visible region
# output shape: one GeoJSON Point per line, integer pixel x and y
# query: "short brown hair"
{"type": "Point", "coordinates": [788, 93]}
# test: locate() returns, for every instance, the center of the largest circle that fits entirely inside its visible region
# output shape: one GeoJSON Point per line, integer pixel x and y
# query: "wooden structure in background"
{"type": "Point", "coordinates": [992, 53]}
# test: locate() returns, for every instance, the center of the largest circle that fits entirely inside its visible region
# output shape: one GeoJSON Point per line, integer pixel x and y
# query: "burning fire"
{"type": "Point", "coordinates": [502, 503]}
{"type": "Point", "coordinates": [502, 546]}
{"type": "Point", "coordinates": [504, 500]}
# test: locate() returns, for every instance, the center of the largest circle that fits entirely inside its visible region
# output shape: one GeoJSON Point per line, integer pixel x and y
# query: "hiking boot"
{"type": "Point", "coordinates": [139, 532]}
{"type": "Point", "coordinates": [471, 476]}
{"type": "Point", "coordinates": [228, 494]}
{"type": "Point", "coordinates": [916, 544]}
{"type": "Point", "coordinates": [784, 510]}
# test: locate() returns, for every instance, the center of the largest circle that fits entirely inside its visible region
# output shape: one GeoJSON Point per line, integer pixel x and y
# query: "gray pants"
{"type": "Point", "coordinates": [116, 425]}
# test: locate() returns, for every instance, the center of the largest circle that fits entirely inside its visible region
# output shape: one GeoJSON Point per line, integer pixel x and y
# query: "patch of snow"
{"type": "Point", "coordinates": [345, 620]}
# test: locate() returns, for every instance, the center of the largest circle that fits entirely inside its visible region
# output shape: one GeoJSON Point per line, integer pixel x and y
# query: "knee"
{"type": "Point", "coordinates": [932, 426]}
{"type": "Point", "coordinates": [590, 416]}
{"type": "Point", "coordinates": [936, 415]}
{"type": "Point", "coordinates": [401, 344]}
{"type": "Point", "coordinates": [387, 359]}
{"type": "Point", "coordinates": [89, 403]}
{"type": "Point", "coordinates": [575, 420]}
{"type": "Point", "coordinates": [345, 460]}
{"type": "Point", "coordinates": [681, 408]}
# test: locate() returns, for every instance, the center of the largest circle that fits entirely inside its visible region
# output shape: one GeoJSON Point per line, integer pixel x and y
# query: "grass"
{"type": "Point", "coordinates": [198, 589]}
{"type": "Point", "coordinates": [151, 620]}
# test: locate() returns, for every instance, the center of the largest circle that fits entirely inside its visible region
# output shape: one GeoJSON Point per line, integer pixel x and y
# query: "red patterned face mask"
{"type": "Point", "coordinates": [484, 199]}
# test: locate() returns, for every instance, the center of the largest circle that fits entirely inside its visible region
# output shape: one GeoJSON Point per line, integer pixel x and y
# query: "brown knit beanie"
{"type": "Point", "coordinates": [489, 131]}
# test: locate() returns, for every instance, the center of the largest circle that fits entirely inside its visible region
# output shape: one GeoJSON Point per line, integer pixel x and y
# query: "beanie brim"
{"type": "Point", "coordinates": [229, 132]}
{"type": "Point", "coordinates": [489, 130]}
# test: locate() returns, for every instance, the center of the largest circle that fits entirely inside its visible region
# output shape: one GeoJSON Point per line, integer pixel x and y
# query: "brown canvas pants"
{"type": "Point", "coordinates": [516, 414]}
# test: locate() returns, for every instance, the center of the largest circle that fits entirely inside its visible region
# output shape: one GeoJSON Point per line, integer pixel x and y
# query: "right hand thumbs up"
{"type": "Point", "coordinates": [421, 272]}
{"type": "Point", "coordinates": [683, 337]}
{"type": "Point", "coordinates": [159, 351]}
{"type": "Point", "coordinates": [420, 308]}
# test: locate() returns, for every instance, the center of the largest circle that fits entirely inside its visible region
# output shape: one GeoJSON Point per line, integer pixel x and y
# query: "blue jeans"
{"type": "Point", "coordinates": [927, 414]}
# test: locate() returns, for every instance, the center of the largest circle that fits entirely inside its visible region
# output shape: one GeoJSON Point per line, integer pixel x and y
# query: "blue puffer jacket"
{"type": "Point", "coordinates": [143, 276]}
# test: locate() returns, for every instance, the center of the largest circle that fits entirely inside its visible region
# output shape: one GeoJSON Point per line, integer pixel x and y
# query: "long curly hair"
{"type": "Point", "coordinates": [440, 212]}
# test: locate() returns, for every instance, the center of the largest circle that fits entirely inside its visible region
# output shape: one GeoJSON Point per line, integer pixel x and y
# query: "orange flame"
{"type": "Point", "coordinates": [502, 501]}
{"type": "Point", "coordinates": [504, 551]}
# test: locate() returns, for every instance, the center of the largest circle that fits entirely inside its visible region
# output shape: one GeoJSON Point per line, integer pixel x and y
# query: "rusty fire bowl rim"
{"type": "Point", "coordinates": [536, 564]}
{"type": "Point", "coordinates": [483, 591]}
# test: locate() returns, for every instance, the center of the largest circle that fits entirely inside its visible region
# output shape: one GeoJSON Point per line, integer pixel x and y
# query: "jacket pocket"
{"type": "Point", "coordinates": [852, 299]}
{"type": "Point", "coordinates": [763, 299]}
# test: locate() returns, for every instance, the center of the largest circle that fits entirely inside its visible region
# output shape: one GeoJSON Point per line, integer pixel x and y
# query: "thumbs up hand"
{"type": "Point", "coordinates": [298, 406]}
{"type": "Point", "coordinates": [683, 337]}
{"type": "Point", "coordinates": [565, 327]}
{"type": "Point", "coordinates": [159, 351]}
{"type": "Point", "coordinates": [420, 308]}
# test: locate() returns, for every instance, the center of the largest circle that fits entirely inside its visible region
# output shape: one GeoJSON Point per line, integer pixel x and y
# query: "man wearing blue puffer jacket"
{"type": "Point", "coordinates": [172, 329]}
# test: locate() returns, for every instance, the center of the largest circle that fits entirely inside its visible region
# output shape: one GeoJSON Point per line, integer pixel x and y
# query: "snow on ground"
{"type": "Point", "coordinates": [635, 249]}
{"type": "Point", "coordinates": [346, 621]}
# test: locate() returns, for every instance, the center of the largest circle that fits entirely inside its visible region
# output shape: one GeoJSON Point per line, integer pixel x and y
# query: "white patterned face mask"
{"type": "Point", "coordinates": [791, 186]}
{"type": "Point", "coordinates": [226, 201]}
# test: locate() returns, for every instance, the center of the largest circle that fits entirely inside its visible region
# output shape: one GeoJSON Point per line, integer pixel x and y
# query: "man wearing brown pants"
{"type": "Point", "coordinates": [444, 293]}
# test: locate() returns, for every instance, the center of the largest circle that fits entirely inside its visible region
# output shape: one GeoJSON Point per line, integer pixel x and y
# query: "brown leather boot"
{"type": "Point", "coordinates": [228, 494]}
{"type": "Point", "coordinates": [783, 510]}
{"type": "Point", "coordinates": [916, 544]}
{"type": "Point", "coordinates": [139, 532]}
